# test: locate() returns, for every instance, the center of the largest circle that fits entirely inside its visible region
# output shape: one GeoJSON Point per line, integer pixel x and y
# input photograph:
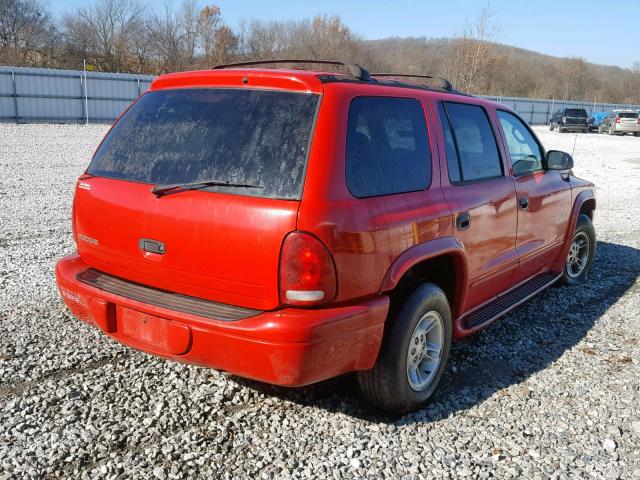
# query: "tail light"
{"type": "Point", "coordinates": [307, 271]}
{"type": "Point", "coordinates": [617, 119]}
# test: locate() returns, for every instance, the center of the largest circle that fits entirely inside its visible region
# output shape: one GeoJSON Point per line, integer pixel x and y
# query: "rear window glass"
{"type": "Point", "coordinates": [576, 112]}
{"type": "Point", "coordinates": [627, 115]}
{"type": "Point", "coordinates": [255, 137]}
{"type": "Point", "coordinates": [387, 147]}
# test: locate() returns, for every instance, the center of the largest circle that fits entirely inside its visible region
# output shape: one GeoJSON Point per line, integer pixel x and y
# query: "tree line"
{"type": "Point", "coordinates": [127, 36]}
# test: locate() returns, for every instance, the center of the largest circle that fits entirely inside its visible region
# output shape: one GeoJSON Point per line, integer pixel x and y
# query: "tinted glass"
{"type": "Point", "coordinates": [387, 147]}
{"type": "Point", "coordinates": [576, 112]}
{"type": "Point", "coordinates": [189, 135]}
{"type": "Point", "coordinates": [627, 115]}
{"type": "Point", "coordinates": [477, 149]}
{"type": "Point", "coordinates": [526, 155]}
{"type": "Point", "coordinates": [450, 146]}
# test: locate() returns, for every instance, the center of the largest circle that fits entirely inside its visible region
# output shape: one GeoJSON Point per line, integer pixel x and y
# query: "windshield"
{"type": "Point", "coordinates": [576, 112]}
{"type": "Point", "coordinates": [239, 136]}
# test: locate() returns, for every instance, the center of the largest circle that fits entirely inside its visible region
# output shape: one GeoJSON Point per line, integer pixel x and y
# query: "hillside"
{"type": "Point", "coordinates": [505, 70]}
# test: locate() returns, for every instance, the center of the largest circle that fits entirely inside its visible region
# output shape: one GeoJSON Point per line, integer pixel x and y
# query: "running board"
{"type": "Point", "coordinates": [508, 301]}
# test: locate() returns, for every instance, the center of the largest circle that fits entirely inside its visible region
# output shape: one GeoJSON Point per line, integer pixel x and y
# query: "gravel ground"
{"type": "Point", "coordinates": [550, 391]}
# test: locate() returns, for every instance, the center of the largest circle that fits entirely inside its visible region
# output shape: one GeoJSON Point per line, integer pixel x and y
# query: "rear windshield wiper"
{"type": "Point", "coordinates": [160, 190]}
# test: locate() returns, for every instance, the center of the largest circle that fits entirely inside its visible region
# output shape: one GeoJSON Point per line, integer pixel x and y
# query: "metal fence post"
{"type": "Point", "coordinates": [86, 99]}
{"type": "Point", "coordinates": [533, 107]}
{"type": "Point", "coordinates": [84, 113]}
{"type": "Point", "coordinates": [15, 94]}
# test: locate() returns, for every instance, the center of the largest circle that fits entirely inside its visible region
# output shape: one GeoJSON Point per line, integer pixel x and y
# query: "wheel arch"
{"type": "Point", "coordinates": [442, 261]}
{"type": "Point", "coordinates": [585, 203]}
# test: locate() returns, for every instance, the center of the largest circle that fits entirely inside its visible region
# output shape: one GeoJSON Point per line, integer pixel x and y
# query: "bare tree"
{"type": "Point", "coordinates": [218, 42]}
{"type": "Point", "coordinates": [322, 37]}
{"type": "Point", "coordinates": [26, 33]}
{"type": "Point", "coordinates": [108, 30]}
{"type": "Point", "coordinates": [470, 53]}
{"type": "Point", "coordinates": [175, 35]}
{"type": "Point", "coordinates": [573, 79]}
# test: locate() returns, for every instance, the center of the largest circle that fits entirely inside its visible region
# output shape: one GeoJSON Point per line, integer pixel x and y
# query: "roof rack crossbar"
{"type": "Point", "coordinates": [355, 70]}
{"type": "Point", "coordinates": [446, 84]}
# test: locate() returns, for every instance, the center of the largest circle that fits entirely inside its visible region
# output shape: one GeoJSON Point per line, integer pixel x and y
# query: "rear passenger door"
{"type": "Point", "coordinates": [544, 198]}
{"type": "Point", "coordinates": [482, 199]}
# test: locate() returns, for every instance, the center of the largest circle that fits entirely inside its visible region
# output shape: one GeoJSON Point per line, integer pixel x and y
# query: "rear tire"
{"type": "Point", "coordinates": [559, 128]}
{"type": "Point", "coordinates": [581, 253]}
{"type": "Point", "coordinates": [551, 126]}
{"type": "Point", "coordinates": [636, 134]}
{"type": "Point", "coordinates": [611, 131]}
{"type": "Point", "coordinates": [409, 366]}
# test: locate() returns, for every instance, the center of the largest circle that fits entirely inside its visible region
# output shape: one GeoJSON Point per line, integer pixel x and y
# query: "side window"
{"type": "Point", "coordinates": [387, 147]}
{"type": "Point", "coordinates": [450, 146]}
{"type": "Point", "coordinates": [526, 154]}
{"type": "Point", "coordinates": [476, 146]}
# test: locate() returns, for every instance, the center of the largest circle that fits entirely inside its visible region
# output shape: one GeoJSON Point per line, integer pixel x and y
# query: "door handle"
{"type": "Point", "coordinates": [523, 202]}
{"type": "Point", "coordinates": [463, 221]}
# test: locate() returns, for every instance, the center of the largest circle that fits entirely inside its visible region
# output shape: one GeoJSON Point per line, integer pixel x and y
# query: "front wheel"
{"type": "Point", "coordinates": [581, 254]}
{"type": "Point", "coordinates": [413, 354]}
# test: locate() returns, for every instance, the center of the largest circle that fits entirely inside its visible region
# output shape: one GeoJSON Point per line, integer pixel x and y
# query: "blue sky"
{"type": "Point", "coordinates": [606, 32]}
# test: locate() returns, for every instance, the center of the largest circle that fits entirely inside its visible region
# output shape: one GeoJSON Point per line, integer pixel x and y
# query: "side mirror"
{"type": "Point", "coordinates": [557, 160]}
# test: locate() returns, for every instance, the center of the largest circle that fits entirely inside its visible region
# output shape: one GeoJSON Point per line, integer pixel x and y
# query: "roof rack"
{"type": "Point", "coordinates": [356, 71]}
{"type": "Point", "coordinates": [444, 83]}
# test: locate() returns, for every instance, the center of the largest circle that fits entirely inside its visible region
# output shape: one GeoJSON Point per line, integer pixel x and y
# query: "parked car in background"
{"type": "Point", "coordinates": [569, 120]}
{"type": "Point", "coordinates": [621, 122]}
{"type": "Point", "coordinates": [291, 226]}
{"type": "Point", "coordinates": [595, 119]}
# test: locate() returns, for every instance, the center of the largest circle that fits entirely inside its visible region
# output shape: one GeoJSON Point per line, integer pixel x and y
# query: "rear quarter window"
{"type": "Point", "coordinates": [240, 136]}
{"type": "Point", "coordinates": [387, 147]}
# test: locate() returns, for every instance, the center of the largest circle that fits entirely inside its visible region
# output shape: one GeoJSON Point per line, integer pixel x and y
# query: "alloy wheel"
{"type": "Point", "coordinates": [425, 351]}
{"type": "Point", "coordinates": [578, 256]}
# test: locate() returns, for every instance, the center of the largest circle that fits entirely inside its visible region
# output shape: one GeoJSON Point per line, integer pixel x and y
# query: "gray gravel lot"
{"type": "Point", "coordinates": [550, 391]}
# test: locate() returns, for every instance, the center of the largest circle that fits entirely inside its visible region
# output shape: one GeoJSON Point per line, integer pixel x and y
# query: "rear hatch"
{"type": "Point", "coordinates": [220, 240]}
{"type": "Point", "coordinates": [628, 119]}
{"type": "Point", "coordinates": [575, 116]}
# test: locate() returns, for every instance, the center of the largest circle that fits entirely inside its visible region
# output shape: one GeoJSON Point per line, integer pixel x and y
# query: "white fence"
{"type": "Point", "coordinates": [538, 111]}
{"type": "Point", "coordinates": [71, 96]}
{"type": "Point", "coordinates": [66, 96]}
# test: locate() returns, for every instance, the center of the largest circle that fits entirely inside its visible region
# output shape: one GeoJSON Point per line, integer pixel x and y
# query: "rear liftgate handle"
{"type": "Point", "coordinates": [524, 203]}
{"type": "Point", "coordinates": [463, 221]}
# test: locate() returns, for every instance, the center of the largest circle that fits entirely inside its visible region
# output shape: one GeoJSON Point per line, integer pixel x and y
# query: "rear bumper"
{"type": "Point", "coordinates": [574, 126]}
{"type": "Point", "coordinates": [627, 128]}
{"type": "Point", "coordinates": [291, 347]}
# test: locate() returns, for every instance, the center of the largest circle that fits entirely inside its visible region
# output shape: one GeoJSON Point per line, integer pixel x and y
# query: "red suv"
{"type": "Point", "coordinates": [291, 226]}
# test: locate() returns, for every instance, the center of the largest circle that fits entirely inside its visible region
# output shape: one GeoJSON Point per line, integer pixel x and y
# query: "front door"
{"type": "Point", "coordinates": [543, 197]}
